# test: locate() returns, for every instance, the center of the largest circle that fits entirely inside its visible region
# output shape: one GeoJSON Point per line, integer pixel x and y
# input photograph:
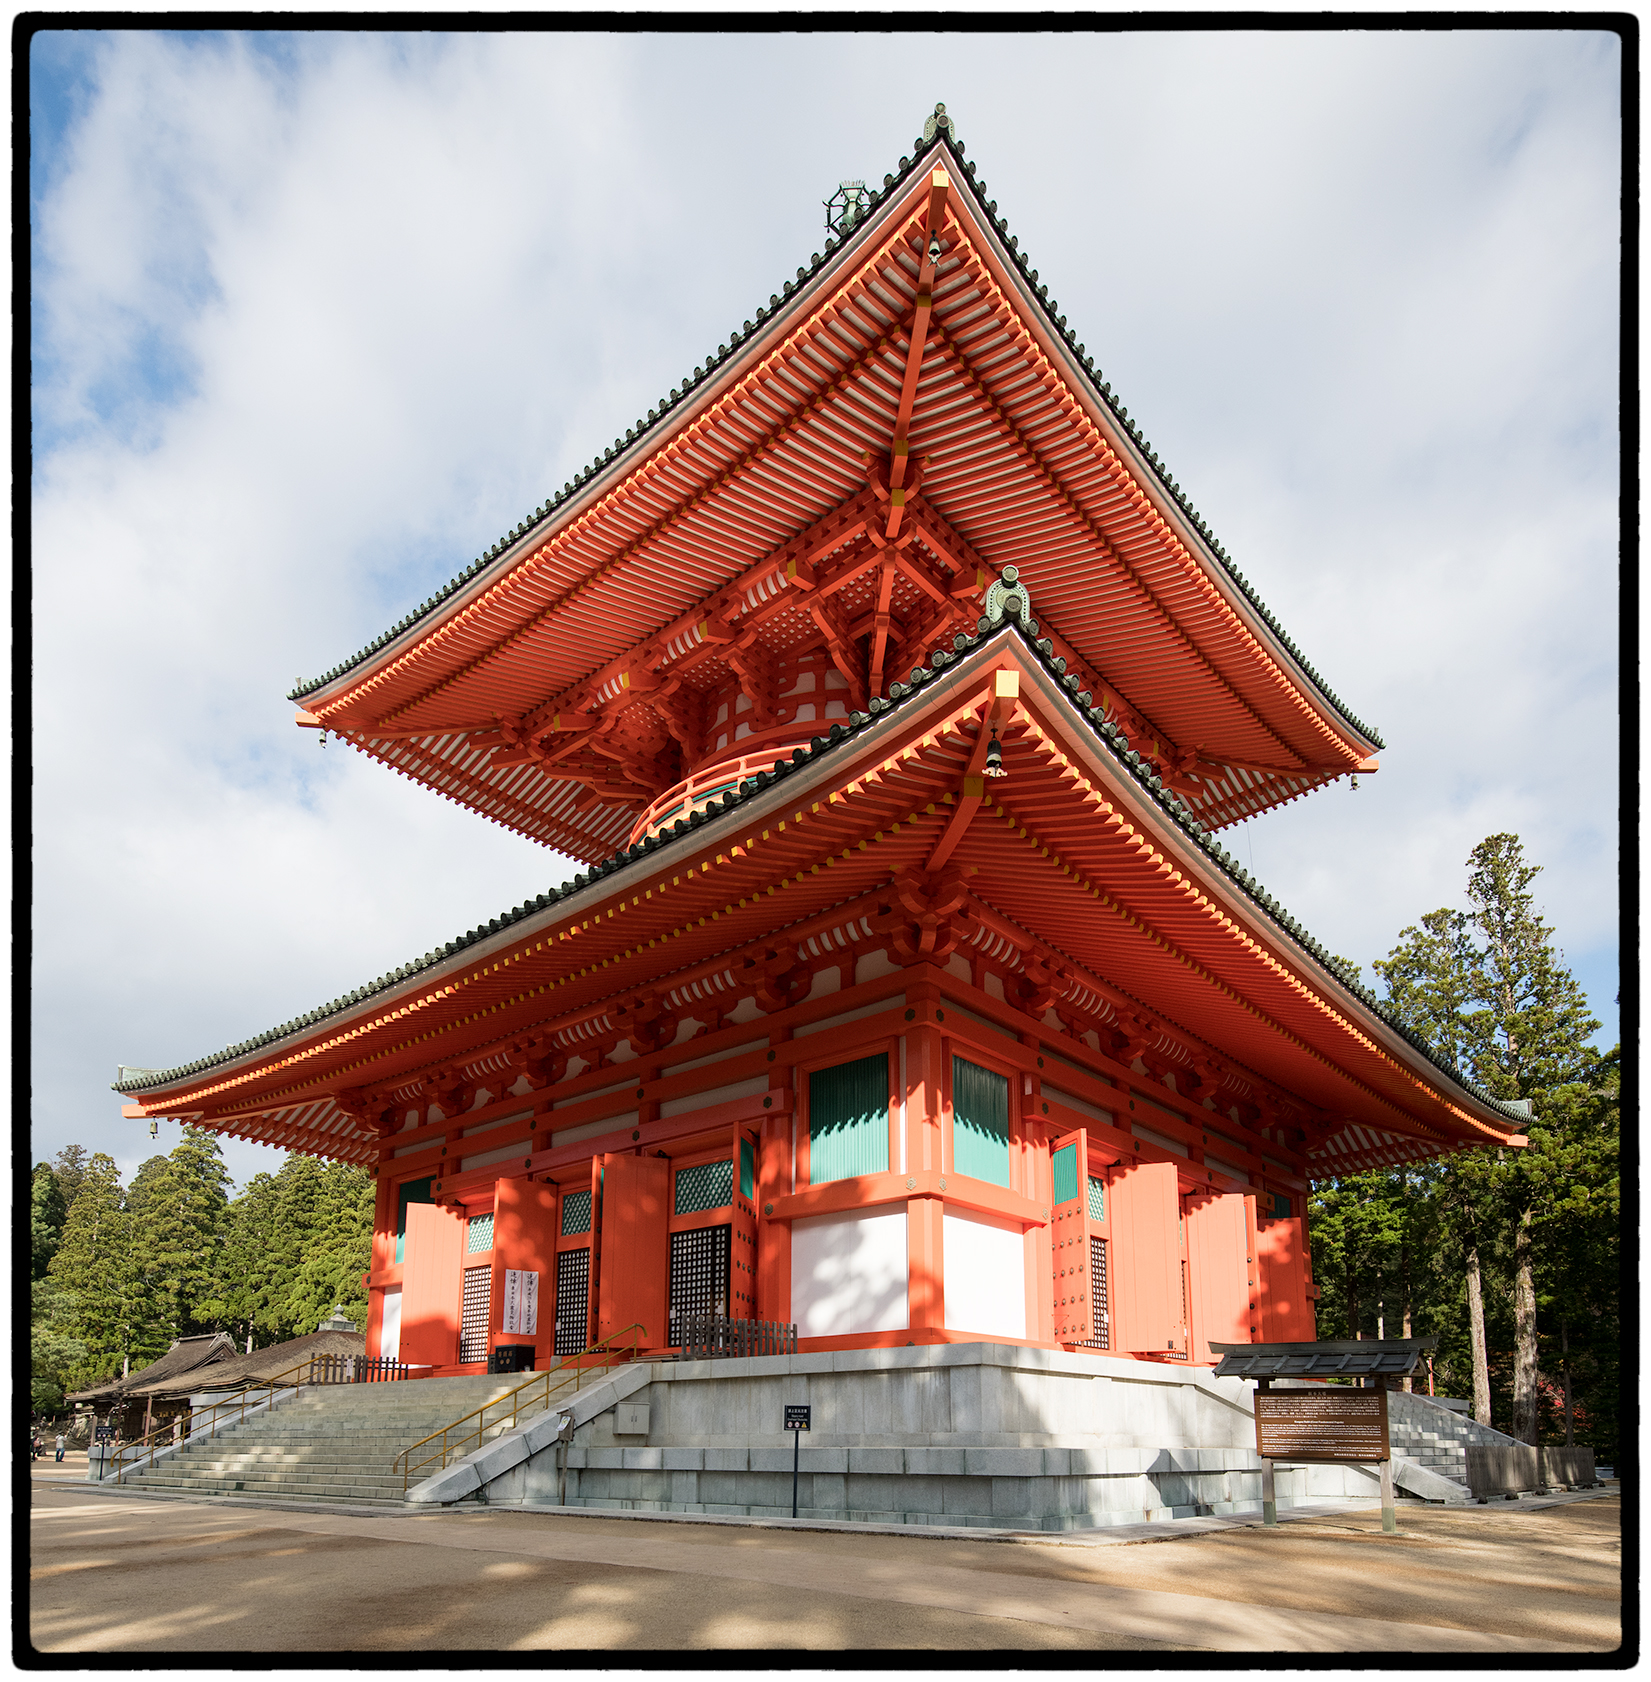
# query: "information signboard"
{"type": "Point", "coordinates": [1333, 1423]}
{"type": "Point", "coordinates": [797, 1417]}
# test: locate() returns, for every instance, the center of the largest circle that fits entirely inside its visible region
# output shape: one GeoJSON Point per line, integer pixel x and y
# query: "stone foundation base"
{"type": "Point", "coordinates": [962, 1434]}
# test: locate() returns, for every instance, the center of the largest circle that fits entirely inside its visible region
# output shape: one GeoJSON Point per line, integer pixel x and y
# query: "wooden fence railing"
{"type": "Point", "coordinates": [710, 1337]}
{"type": "Point", "coordinates": [355, 1369]}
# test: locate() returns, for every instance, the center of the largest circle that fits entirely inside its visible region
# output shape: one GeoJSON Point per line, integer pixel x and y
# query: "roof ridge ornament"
{"type": "Point", "coordinates": [849, 205]}
{"type": "Point", "coordinates": [1008, 598]}
{"type": "Point", "coordinates": [938, 121]}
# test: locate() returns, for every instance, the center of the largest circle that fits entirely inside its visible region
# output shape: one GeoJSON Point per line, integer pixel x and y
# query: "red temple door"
{"type": "Point", "coordinates": [1281, 1260]}
{"type": "Point", "coordinates": [636, 1248]}
{"type": "Point", "coordinates": [1073, 1289]}
{"type": "Point", "coordinates": [1146, 1225]}
{"type": "Point", "coordinates": [434, 1253]}
{"type": "Point", "coordinates": [1221, 1267]}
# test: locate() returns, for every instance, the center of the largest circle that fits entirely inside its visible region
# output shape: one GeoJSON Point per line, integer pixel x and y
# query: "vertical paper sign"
{"type": "Point", "coordinates": [521, 1302]}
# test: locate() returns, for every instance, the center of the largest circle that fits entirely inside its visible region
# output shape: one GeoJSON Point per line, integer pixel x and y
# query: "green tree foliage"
{"type": "Point", "coordinates": [48, 1210]}
{"type": "Point", "coordinates": [1512, 1254]}
{"type": "Point", "coordinates": [100, 1267]}
{"type": "Point", "coordinates": [294, 1244]}
{"type": "Point", "coordinates": [56, 1353]}
{"type": "Point", "coordinates": [181, 1216]}
{"type": "Point", "coordinates": [171, 1256]}
{"type": "Point", "coordinates": [70, 1166]}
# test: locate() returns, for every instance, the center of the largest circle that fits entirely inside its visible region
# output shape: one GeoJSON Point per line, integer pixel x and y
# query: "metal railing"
{"type": "Point", "coordinates": [254, 1393]}
{"type": "Point", "coordinates": [507, 1409]}
{"type": "Point", "coordinates": [710, 1337]}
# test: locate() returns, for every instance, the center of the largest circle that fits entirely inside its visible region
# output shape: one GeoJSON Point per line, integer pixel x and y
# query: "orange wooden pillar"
{"type": "Point", "coordinates": [524, 1241]}
{"type": "Point", "coordinates": [382, 1251]}
{"type": "Point", "coordinates": [924, 1099]}
{"type": "Point", "coordinates": [774, 1174]}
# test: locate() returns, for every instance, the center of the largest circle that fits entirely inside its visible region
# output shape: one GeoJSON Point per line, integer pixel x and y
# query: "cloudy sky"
{"type": "Point", "coordinates": [318, 316]}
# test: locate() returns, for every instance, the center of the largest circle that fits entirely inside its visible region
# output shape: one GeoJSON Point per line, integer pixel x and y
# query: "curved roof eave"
{"type": "Point", "coordinates": [505, 930]}
{"type": "Point", "coordinates": [744, 347]}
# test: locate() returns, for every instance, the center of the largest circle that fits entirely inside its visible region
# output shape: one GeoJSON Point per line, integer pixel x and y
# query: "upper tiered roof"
{"type": "Point", "coordinates": [849, 473]}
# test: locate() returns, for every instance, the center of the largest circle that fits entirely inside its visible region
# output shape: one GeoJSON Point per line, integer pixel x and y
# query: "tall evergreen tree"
{"type": "Point", "coordinates": [1490, 993]}
{"type": "Point", "coordinates": [180, 1220]}
{"type": "Point", "coordinates": [70, 1166]}
{"type": "Point", "coordinates": [48, 1210]}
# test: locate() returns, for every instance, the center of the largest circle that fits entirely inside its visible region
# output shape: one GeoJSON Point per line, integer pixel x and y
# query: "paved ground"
{"type": "Point", "coordinates": [130, 1574]}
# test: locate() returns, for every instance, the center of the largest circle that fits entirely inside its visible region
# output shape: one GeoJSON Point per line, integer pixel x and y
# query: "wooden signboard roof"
{"type": "Point", "coordinates": [853, 469]}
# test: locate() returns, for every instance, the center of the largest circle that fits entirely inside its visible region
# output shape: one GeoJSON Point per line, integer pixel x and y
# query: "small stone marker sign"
{"type": "Point", "coordinates": [1332, 1424]}
{"type": "Point", "coordinates": [797, 1417]}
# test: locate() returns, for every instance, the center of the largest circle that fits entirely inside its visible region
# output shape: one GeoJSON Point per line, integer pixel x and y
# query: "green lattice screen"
{"type": "Point", "coordinates": [1065, 1165]}
{"type": "Point", "coordinates": [980, 1122]}
{"type": "Point", "coordinates": [848, 1120]}
{"type": "Point", "coordinates": [710, 1185]}
{"type": "Point", "coordinates": [748, 1169]}
{"type": "Point", "coordinates": [478, 1234]}
{"type": "Point", "coordinates": [1097, 1199]}
{"type": "Point", "coordinates": [575, 1213]}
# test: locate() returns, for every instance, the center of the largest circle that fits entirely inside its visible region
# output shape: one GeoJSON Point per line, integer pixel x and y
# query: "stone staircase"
{"type": "Point", "coordinates": [1436, 1437]}
{"type": "Point", "coordinates": [329, 1443]}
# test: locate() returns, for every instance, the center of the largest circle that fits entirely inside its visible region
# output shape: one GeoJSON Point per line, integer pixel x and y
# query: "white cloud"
{"type": "Point", "coordinates": [319, 318]}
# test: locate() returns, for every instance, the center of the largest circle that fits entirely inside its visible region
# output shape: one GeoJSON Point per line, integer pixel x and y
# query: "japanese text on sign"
{"type": "Point", "coordinates": [521, 1301]}
{"type": "Point", "coordinates": [1331, 1424]}
{"type": "Point", "coordinates": [797, 1417]}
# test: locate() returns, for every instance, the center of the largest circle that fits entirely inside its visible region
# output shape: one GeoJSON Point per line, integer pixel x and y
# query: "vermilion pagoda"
{"type": "Point", "coordinates": [891, 691]}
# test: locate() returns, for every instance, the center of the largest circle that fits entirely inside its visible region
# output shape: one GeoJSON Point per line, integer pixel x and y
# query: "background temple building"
{"type": "Point", "coordinates": [893, 696]}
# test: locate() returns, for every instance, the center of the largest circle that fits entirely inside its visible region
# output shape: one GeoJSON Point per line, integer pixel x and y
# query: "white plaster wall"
{"type": "Point", "coordinates": [848, 1273]}
{"type": "Point", "coordinates": [985, 1275]}
{"type": "Point", "coordinates": [389, 1336]}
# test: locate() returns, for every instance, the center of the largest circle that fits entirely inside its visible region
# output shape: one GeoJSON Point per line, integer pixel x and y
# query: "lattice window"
{"type": "Point", "coordinates": [848, 1120]}
{"type": "Point", "coordinates": [1064, 1165]}
{"type": "Point", "coordinates": [1097, 1199]}
{"type": "Point", "coordinates": [575, 1214]}
{"type": "Point", "coordinates": [748, 1168]}
{"type": "Point", "coordinates": [572, 1299]}
{"type": "Point", "coordinates": [699, 1273]}
{"type": "Point", "coordinates": [478, 1234]}
{"type": "Point", "coordinates": [707, 1185]}
{"type": "Point", "coordinates": [1281, 1207]}
{"type": "Point", "coordinates": [478, 1290]}
{"type": "Point", "coordinates": [1102, 1334]}
{"type": "Point", "coordinates": [980, 1122]}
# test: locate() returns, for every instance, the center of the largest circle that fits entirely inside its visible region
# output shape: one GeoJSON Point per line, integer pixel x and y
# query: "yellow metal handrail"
{"type": "Point", "coordinates": [280, 1381]}
{"type": "Point", "coordinates": [571, 1370]}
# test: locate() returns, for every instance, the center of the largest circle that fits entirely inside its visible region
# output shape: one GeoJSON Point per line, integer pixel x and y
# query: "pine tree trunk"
{"type": "Point", "coordinates": [1476, 1334]}
{"type": "Point", "coordinates": [1526, 1423]}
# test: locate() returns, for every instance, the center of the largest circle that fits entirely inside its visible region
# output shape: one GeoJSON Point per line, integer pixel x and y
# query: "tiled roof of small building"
{"type": "Point", "coordinates": [939, 131]}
